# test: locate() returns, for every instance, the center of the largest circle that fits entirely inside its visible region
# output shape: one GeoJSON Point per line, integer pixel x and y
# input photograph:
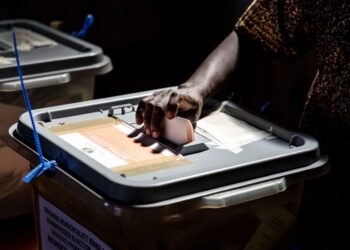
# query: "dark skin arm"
{"type": "Point", "coordinates": [189, 97]}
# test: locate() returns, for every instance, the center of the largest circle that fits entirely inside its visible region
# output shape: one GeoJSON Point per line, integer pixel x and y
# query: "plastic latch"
{"type": "Point", "coordinates": [89, 21]}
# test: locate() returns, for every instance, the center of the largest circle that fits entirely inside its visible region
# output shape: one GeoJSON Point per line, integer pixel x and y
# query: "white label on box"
{"type": "Point", "coordinates": [229, 131]}
{"type": "Point", "coordinates": [112, 146]}
{"type": "Point", "coordinates": [59, 231]}
{"type": "Point", "coordinates": [92, 149]}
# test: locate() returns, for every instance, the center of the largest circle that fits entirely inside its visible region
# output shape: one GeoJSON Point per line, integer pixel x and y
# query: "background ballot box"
{"type": "Point", "coordinates": [58, 69]}
{"type": "Point", "coordinates": [237, 186]}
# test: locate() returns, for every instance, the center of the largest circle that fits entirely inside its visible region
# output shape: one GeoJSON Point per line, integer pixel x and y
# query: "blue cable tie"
{"type": "Point", "coordinates": [265, 106]}
{"type": "Point", "coordinates": [44, 165]}
{"type": "Point", "coordinates": [89, 21]}
{"type": "Point", "coordinates": [38, 170]}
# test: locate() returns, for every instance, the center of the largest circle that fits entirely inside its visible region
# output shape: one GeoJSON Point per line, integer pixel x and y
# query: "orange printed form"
{"type": "Point", "coordinates": [118, 146]}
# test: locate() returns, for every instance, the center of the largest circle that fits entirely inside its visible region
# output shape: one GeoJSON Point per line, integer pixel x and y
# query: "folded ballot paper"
{"type": "Point", "coordinates": [178, 130]}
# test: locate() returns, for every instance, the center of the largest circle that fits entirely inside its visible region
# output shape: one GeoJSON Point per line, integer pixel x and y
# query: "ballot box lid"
{"type": "Point", "coordinates": [202, 165]}
{"type": "Point", "coordinates": [45, 51]}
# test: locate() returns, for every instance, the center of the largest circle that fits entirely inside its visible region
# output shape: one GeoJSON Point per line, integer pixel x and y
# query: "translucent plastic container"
{"type": "Point", "coordinates": [219, 200]}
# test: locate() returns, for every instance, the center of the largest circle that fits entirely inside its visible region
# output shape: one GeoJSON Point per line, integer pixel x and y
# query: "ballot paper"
{"type": "Point", "coordinates": [229, 132]}
{"type": "Point", "coordinates": [26, 39]}
{"type": "Point", "coordinates": [117, 145]}
{"type": "Point", "coordinates": [178, 130]}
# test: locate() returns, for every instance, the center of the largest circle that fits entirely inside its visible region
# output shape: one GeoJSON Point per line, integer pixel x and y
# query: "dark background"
{"type": "Point", "coordinates": [156, 44]}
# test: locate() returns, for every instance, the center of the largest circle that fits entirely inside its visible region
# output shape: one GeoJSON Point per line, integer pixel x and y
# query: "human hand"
{"type": "Point", "coordinates": [185, 101]}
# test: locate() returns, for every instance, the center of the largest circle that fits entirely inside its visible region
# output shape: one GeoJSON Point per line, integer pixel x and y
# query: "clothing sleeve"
{"type": "Point", "coordinates": [279, 26]}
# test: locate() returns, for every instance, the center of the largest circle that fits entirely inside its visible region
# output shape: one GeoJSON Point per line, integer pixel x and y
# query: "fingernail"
{"type": "Point", "coordinates": [155, 134]}
{"type": "Point", "coordinates": [148, 131]}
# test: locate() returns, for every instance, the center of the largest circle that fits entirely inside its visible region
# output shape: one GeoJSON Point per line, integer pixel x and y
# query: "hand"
{"type": "Point", "coordinates": [186, 101]}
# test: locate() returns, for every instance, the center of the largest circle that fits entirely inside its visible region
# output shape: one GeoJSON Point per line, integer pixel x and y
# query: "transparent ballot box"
{"type": "Point", "coordinates": [236, 186]}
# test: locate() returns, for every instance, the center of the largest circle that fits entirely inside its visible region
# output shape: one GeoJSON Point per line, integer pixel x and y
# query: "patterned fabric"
{"type": "Point", "coordinates": [288, 28]}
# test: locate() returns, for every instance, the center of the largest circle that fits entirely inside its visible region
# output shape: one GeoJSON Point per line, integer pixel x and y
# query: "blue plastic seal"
{"type": "Point", "coordinates": [44, 165]}
{"type": "Point", "coordinates": [38, 170]}
{"type": "Point", "coordinates": [89, 21]}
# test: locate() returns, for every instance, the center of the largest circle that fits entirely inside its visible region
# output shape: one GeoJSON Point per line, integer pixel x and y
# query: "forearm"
{"type": "Point", "coordinates": [217, 68]}
{"type": "Point", "coordinates": [188, 99]}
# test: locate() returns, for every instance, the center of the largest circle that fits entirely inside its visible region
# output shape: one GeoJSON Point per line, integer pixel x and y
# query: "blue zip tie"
{"type": "Point", "coordinates": [44, 165]}
{"type": "Point", "coordinates": [38, 170]}
{"type": "Point", "coordinates": [89, 21]}
{"type": "Point", "coordinates": [265, 106]}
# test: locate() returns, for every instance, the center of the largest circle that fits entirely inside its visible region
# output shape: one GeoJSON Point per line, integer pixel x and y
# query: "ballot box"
{"type": "Point", "coordinates": [236, 186]}
{"type": "Point", "coordinates": [57, 69]}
